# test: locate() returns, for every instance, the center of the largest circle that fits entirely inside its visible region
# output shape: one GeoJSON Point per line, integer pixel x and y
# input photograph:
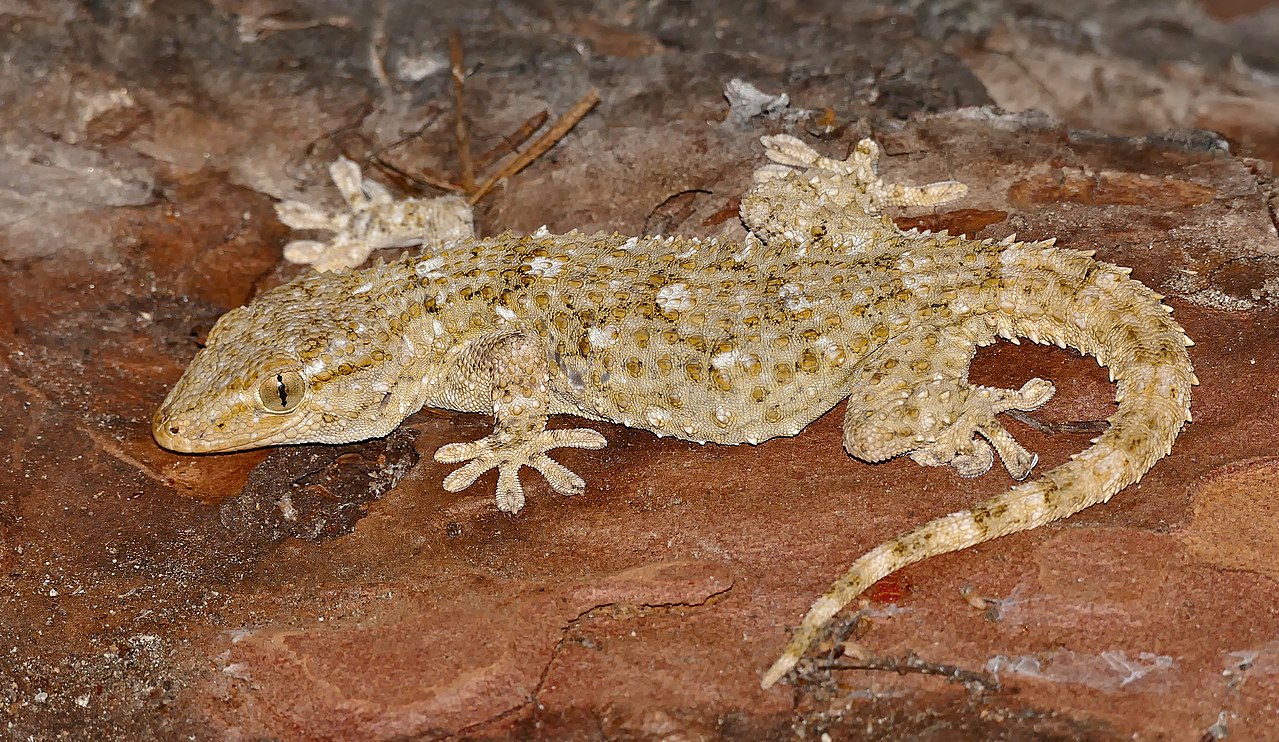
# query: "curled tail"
{"type": "Point", "coordinates": [1067, 298]}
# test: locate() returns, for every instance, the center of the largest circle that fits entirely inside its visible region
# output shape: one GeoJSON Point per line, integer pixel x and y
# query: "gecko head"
{"type": "Point", "coordinates": [289, 368]}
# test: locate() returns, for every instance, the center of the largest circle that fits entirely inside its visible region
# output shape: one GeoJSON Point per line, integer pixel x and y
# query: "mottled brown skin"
{"type": "Point", "coordinates": [712, 342]}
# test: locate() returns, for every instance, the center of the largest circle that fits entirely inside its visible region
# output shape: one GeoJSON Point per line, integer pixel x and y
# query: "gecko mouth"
{"type": "Point", "coordinates": [188, 433]}
{"type": "Point", "coordinates": [176, 436]}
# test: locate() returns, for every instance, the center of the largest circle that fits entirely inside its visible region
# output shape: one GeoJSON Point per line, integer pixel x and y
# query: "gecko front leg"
{"type": "Point", "coordinates": [514, 370]}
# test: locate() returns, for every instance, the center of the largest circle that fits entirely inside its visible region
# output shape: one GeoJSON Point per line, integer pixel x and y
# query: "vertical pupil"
{"type": "Point", "coordinates": [282, 390]}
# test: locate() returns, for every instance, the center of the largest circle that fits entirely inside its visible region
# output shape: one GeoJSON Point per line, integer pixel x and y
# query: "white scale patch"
{"type": "Point", "coordinates": [430, 268]}
{"type": "Point", "coordinates": [828, 347]}
{"type": "Point", "coordinates": [794, 298]}
{"type": "Point", "coordinates": [675, 298]}
{"type": "Point", "coordinates": [724, 361]}
{"type": "Point", "coordinates": [545, 267]}
{"type": "Point", "coordinates": [602, 337]}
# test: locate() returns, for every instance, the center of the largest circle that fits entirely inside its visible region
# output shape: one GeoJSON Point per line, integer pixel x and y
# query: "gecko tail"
{"type": "Point", "coordinates": [958, 531]}
{"type": "Point", "coordinates": [1107, 315]}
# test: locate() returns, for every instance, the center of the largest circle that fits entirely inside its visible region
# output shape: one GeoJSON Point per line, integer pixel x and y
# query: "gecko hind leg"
{"type": "Point", "coordinates": [803, 196]}
{"type": "Point", "coordinates": [933, 414]}
{"type": "Point", "coordinates": [966, 444]}
{"type": "Point", "coordinates": [858, 173]}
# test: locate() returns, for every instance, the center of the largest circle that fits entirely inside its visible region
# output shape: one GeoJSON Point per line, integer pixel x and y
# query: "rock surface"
{"type": "Point", "coordinates": [322, 593]}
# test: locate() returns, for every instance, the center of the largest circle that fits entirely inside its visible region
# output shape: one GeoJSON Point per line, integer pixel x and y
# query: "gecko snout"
{"type": "Point", "coordinates": [169, 434]}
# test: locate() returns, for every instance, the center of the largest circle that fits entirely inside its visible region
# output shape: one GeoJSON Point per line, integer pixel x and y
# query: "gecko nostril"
{"type": "Point", "coordinates": [174, 430]}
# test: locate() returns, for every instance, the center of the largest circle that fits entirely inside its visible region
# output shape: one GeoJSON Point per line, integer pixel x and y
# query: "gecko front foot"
{"type": "Point", "coordinates": [507, 452]}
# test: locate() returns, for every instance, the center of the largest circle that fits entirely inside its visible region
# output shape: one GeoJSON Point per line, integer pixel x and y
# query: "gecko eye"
{"type": "Point", "coordinates": [282, 391]}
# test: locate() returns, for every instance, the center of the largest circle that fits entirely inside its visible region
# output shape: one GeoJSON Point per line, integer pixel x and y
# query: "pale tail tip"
{"type": "Point", "coordinates": [782, 666]}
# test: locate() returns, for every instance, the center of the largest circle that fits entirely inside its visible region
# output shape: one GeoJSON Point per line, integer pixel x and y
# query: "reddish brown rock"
{"type": "Point", "coordinates": [145, 148]}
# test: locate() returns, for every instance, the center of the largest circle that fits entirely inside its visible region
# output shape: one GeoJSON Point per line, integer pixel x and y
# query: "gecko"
{"type": "Point", "coordinates": [825, 301]}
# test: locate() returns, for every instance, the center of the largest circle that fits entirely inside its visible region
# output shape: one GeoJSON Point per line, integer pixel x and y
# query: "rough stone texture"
{"type": "Point", "coordinates": [144, 144]}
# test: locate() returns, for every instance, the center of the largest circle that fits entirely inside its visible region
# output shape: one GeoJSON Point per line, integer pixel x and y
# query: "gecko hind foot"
{"type": "Point", "coordinates": [970, 443]}
{"type": "Point", "coordinates": [860, 171]}
{"type": "Point", "coordinates": [507, 454]}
